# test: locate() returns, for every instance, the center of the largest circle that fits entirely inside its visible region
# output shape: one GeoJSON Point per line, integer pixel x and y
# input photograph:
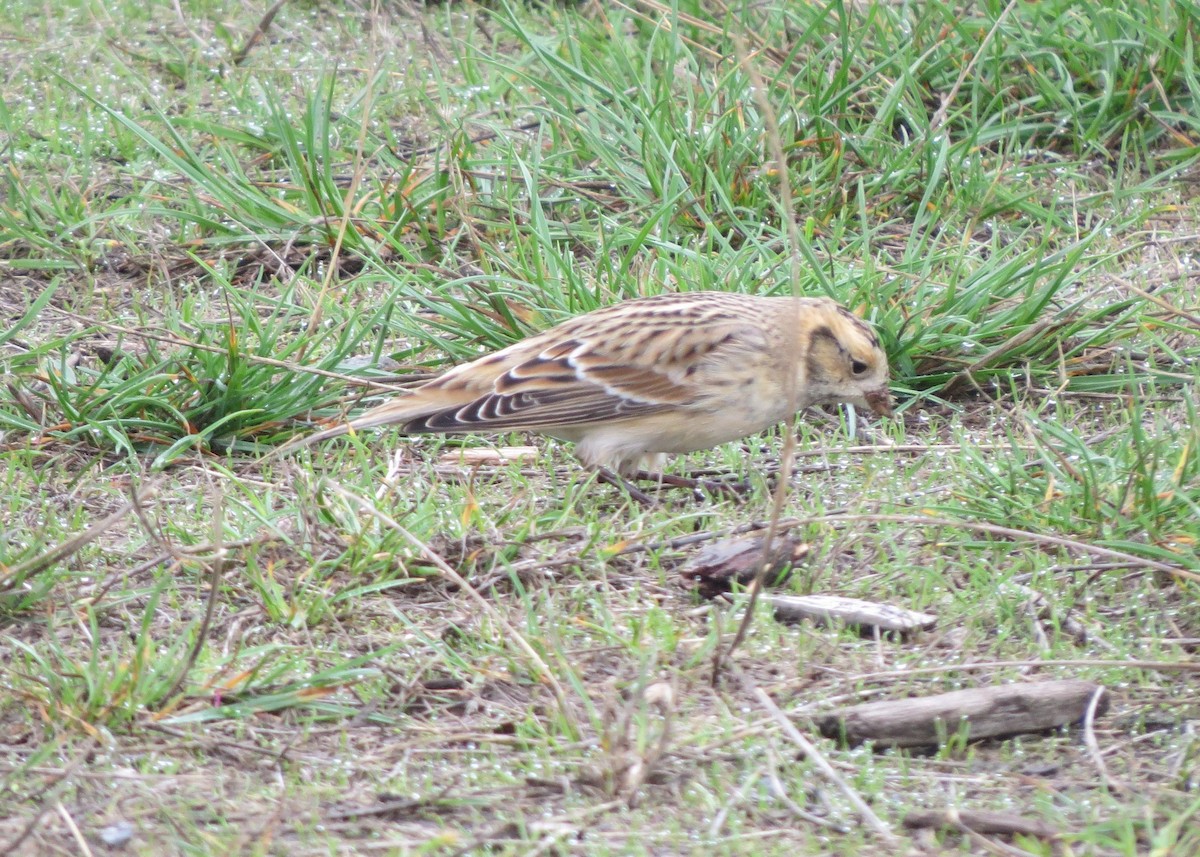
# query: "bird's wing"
{"type": "Point", "coordinates": [609, 369]}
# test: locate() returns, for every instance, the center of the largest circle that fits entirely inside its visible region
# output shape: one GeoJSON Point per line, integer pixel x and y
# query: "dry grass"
{"type": "Point", "coordinates": [367, 649]}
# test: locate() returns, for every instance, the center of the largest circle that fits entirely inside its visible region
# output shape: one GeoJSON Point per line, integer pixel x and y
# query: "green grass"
{"type": "Point", "coordinates": [371, 646]}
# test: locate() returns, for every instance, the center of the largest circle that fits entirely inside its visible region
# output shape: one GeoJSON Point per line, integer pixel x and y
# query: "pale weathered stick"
{"type": "Point", "coordinates": [852, 612]}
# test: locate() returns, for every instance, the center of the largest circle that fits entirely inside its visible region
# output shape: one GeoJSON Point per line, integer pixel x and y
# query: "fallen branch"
{"type": "Point", "coordinates": [987, 712]}
{"type": "Point", "coordinates": [980, 821]}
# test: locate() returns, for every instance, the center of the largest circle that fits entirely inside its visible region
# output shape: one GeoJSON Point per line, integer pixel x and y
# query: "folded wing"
{"type": "Point", "coordinates": [599, 373]}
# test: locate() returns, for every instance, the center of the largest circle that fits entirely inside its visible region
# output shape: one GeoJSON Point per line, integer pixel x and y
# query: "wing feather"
{"type": "Point", "coordinates": [629, 360]}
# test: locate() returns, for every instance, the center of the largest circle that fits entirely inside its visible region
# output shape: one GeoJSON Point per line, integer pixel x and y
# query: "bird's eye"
{"type": "Point", "coordinates": [858, 367]}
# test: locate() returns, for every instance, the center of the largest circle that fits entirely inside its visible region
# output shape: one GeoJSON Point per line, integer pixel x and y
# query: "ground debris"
{"type": "Point", "coordinates": [715, 567]}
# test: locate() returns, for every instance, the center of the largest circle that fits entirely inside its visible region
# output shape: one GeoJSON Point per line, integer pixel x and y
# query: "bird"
{"type": "Point", "coordinates": [632, 382]}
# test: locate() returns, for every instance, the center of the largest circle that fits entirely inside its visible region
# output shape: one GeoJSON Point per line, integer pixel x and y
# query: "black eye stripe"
{"type": "Point", "coordinates": [866, 329]}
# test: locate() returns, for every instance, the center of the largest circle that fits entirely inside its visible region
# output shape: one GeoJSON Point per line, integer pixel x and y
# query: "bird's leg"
{"type": "Point", "coordinates": [608, 476]}
{"type": "Point", "coordinates": [714, 487]}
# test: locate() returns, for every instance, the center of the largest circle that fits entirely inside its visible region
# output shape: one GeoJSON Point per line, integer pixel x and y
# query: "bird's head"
{"type": "Point", "coordinates": [845, 362]}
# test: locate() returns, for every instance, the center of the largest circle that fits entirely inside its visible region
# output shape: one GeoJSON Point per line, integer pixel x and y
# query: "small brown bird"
{"type": "Point", "coordinates": [645, 377]}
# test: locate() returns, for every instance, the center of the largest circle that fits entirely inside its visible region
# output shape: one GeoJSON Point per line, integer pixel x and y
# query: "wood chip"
{"type": "Point", "coordinates": [989, 712]}
{"type": "Point", "coordinates": [716, 566]}
{"type": "Point", "coordinates": [851, 612]}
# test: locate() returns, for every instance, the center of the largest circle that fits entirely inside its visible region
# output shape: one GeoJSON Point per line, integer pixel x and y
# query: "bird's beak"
{"type": "Point", "coordinates": [880, 401]}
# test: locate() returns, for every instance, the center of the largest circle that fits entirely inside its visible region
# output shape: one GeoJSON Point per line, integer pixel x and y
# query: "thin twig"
{"type": "Point", "coordinates": [782, 796]}
{"type": "Point", "coordinates": [608, 477]}
{"type": "Point", "coordinates": [910, 448]}
{"type": "Point", "coordinates": [810, 751]}
{"type": "Point", "coordinates": [939, 117]}
{"type": "Point", "coordinates": [1002, 849]}
{"type": "Point", "coordinates": [216, 570]}
{"type": "Point", "coordinates": [908, 672]}
{"type": "Point", "coordinates": [486, 606]}
{"type": "Point", "coordinates": [787, 454]}
{"type": "Point", "coordinates": [1155, 299]}
{"type": "Point", "coordinates": [73, 828]}
{"type": "Point", "coordinates": [718, 821]}
{"type": "Point", "coordinates": [68, 548]}
{"type": "Point", "coordinates": [1093, 746]}
{"type": "Point", "coordinates": [225, 746]}
{"type": "Point", "coordinates": [1027, 335]}
{"type": "Point", "coordinates": [259, 31]}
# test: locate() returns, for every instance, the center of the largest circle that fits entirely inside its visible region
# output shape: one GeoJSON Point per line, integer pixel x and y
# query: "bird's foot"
{"type": "Point", "coordinates": [699, 487]}
{"type": "Point", "coordinates": [612, 478]}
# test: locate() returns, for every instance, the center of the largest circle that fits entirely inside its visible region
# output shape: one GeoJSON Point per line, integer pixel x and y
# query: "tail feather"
{"type": "Point", "coordinates": [389, 413]}
{"type": "Point", "coordinates": [316, 437]}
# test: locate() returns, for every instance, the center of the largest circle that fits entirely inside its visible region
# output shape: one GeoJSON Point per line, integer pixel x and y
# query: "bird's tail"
{"type": "Point", "coordinates": [401, 410]}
